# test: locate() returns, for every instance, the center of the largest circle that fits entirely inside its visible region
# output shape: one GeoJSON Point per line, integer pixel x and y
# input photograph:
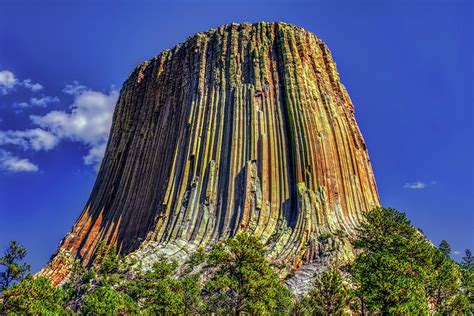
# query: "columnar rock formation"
{"type": "Point", "coordinates": [242, 128]}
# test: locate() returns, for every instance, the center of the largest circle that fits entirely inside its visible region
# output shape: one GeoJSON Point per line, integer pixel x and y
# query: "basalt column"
{"type": "Point", "coordinates": [242, 128]}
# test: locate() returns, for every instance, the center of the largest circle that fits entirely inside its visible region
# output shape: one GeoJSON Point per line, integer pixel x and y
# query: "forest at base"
{"type": "Point", "coordinates": [396, 271]}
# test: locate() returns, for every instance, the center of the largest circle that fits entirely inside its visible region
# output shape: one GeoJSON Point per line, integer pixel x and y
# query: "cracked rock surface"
{"type": "Point", "coordinates": [246, 127]}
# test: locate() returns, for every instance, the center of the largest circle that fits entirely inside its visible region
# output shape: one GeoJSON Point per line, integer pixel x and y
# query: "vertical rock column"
{"type": "Point", "coordinates": [242, 128]}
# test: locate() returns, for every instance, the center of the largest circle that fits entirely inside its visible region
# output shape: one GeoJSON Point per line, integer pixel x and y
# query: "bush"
{"type": "Point", "coordinates": [107, 301]}
{"type": "Point", "coordinates": [34, 296]}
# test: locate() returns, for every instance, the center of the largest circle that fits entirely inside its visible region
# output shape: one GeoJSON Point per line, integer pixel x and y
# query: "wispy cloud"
{"type": "Point", "coordinates": [418, 185]}
{"type": "Point", "coordinates": [95, 155]}
{"type": "Point", "coordinates": [8, 82]}
{"type": "Point", "coordinates": [35, 87]}
{"type": "Point", "coordinates": [74, 88]}
{"type": "Point", "coordinates": [11, 163]}
{"type": "Point", "coordinates": [36, 139]}
{"type": "Point", "coordinates": [38, 102]}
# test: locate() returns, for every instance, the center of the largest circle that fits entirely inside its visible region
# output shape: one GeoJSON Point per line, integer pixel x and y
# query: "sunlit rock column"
{"type": "Point", "coordinates": [246, 127]}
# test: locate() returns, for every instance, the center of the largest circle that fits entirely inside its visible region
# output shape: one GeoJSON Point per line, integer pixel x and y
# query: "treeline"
{"type": "Point", "coordinates": [396, 271]}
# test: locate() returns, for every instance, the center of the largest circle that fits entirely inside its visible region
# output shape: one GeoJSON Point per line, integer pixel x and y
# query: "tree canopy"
{"type": "Point", "coordinates": [396, 270]}
{"type": "Point", "coordinates": [243, 280]}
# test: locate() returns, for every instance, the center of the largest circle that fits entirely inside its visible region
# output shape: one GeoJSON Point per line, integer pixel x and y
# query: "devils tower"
{"type": "Point", "coordinates": [246, 127]}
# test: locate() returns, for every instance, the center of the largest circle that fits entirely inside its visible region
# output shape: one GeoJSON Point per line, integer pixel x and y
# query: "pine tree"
{"type": "Point", "coordinates": [391, 269]}
{"type": "Point", "coordinates": [35, 296]}
{"type": "Point", "coordinates": [468, 260]}
{"type": "Point", "coordinates": [329, 295]}
{"type": "Point", "coordinates": [445, 247]}
{"type": "Point", "coordinates": [467, 272]}
{"type": "Point", "coordinates": [105, 300]}
{"type": "Point", "coordinates": [13, 269]}
{"type": "Point", "coordinates": [444, 287]}
{"type": "Point", "coordinates": [244, 281]}
{"type": "Point", "coordinates": [157, 291]}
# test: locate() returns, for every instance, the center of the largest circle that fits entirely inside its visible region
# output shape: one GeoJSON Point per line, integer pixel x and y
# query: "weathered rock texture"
{"type": "Point", "coordinates": [242, 128]}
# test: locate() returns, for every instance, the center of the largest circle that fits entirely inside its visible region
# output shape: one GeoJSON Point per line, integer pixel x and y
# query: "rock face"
{"type": "Point", "coordinates": [242, 128]}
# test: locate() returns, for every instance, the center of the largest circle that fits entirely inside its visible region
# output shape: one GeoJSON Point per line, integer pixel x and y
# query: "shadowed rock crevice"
{"type": "Point", "coordinates": [241, 128]}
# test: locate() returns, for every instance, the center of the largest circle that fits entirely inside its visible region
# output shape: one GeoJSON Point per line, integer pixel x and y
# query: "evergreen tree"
{"type": "Point", "coordinates": [468, 260]}
{"type": "Point", "coordinates": [105, 300]}
{"type": "Point", "coordinates": [107, 278]}
{"type": "Point", "coordinates": [444, 287]}
{"type": "Point", "coordinates": [467, 272]}
{"type": "Point", "coordinates": [193, 301]}
{"type": "Point", "coordinates": [445, 247]}
{"type": "Point", "coordinates": [329, 296]}
{"type": "Point", "coordinates": [13, 269]}
{"type": "Point", "coordinates": [244, 282]}
{"type": "Point", "coordinates": [391, 269]}
{"type": "Point", "coordinates": [158, 291]}
{"type": "Point", "coordinates": [34, 296]}
{"type": "Point", "coordinates": [107, 260]}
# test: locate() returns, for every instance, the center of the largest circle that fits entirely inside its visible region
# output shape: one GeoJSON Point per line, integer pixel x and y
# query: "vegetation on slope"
{"type": "Point", "coordinates": [396, 271]}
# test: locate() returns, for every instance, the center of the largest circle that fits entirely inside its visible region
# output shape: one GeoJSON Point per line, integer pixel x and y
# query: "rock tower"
{"type": "Point", "coordinates": [246, 127]}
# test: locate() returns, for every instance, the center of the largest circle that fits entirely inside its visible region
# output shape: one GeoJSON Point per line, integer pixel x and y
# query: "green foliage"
{"type": "Point", "coordinates": [88, 276]}
{"type": "Point", "coordinates": [467, 277]}
{"type": "Point", "coordinates": [13, 269]}
{"type": "Point", "coordinates": [244, 281]}
{"type": "Point", "coordinates": [329, 296]}
{"type": "Point", "coordinates": [444, 287]}
{"type": "Point", "coordinates": [197, 258]}
{"type": "Point", "coordinates": [34, 296]}
{"type": "Point", "coordinates": [108, 301]}
{"type": "Point", "coordinates": [157, 291]}
{"type": "Point", "coordinates": [107, 260]}
{"type": "Point", "coordinates": [391, 269]}
{"type": "Point", "coordinates": [468, 260]}
{"type": "Point", "coordinates": [445, 248]}
{"type": "Point", "coordinates": [80, 281]}
{"type": "Point", "coordinates": [193, 300]}
{"type": "Point", "coordinates": [397, 271]}
{"type": "Point", "coordinates": [107, 278]}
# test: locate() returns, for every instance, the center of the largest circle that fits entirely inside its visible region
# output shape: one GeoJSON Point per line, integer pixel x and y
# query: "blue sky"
{"type": "Point", "coordinates": [407, 65]}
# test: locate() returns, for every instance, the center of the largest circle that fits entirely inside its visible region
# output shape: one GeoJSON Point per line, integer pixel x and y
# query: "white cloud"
{"type": "Point", "coordinates": [40, 139]}
{"type": "Point", "coordinates": [22, 105]}
{"type": "Point", "coordinates": [36, 139]}
{"type": "Point", "coordinates": [95, 155]}
{"type": "Point", "coordinates": [35, 87]}
{"type": "Point", "coordinates": [8, 162]}
{"type": "Point", "coordinates": [8, 81]}
{"type": "Point", "coordinates": [43, 101]}
{"type": "Point", "coordinates": [38, 102]}
{"type": "Point", "coordinates": [88, 121]}
{"type": "Point", "coordinates": [418, 185]}
{"type": "Point", "coordinates": [457, 252]}
{"type": "Point", "coordinates": [75, 88]}
{"type": "Point", "coordinates": [19, 165]}
{"type": "Point", "coordinates": [8, 138]}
